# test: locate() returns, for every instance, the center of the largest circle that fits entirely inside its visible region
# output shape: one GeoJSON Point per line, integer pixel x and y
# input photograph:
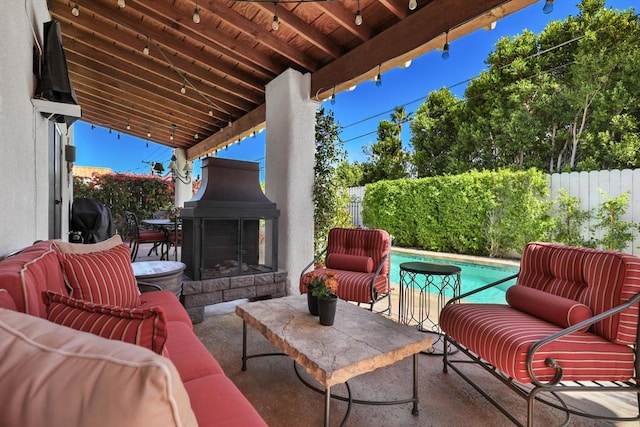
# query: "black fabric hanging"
{"type": "Point", "coordinates": [54, 83]}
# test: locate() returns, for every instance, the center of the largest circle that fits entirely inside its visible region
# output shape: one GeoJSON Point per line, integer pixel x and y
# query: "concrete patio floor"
{"type": "Point", "coordinates": [272, 387]}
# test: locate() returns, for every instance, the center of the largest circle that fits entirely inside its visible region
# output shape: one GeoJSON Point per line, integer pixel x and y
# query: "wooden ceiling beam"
{"type": "Point", "coordinates": [407, 36]}
{"type": "Point", "coordinates": [346, 19]}
{"type": "Point", "coordinates": [305, 30]}
{"type": "Point", "coordinates": [168, 90]}
{"type": "Point", "coordinates": [260, 34]}
{"type": "Point", "coordinates": [73, 40]}
{"type": "Point", "coordinates": [121, 98]}
{"type": "Point", "coordinates": [242, 127]}
{"type": "Point", "coordinates": [400, 8]}
{"type": "Point", "coordinates": [124, 113]}
{"type": "Point", "coordinates": [168, 42]}
{"type": "Point", "coordinates": [97, 119]}
{"type": "Point", "coordinates": [145, 94]}
{"type": "Point", "coordinates": [206, 33]}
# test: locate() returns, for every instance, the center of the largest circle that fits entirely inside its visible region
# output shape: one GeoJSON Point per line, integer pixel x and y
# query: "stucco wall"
{"type": "Point", "coordinates": [289, 169]}
{"type": "Point", "coordinates": [24, 189]}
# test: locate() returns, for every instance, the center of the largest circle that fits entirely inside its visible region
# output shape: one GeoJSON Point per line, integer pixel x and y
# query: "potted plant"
{"type": "Point", "coordinates": [324, 289]}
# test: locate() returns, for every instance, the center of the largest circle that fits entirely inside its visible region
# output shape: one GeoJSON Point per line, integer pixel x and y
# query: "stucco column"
{"type": "Point", "coordinates": [183, 191]}
{"type": "Point", "coordinates": [289, 160]}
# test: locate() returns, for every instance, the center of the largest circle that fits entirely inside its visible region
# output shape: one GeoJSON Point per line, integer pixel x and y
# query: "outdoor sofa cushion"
{"type": "Point", "coordinates": [503, 336]}
{"type": "Point", "coordinates": [104, 277]}
{"type": "Point", "coordinates": [87, 248]}
{"type": "Point", "coordinates": [60, 377]}
{"type": "Point", "coordinates": [144, 327]}
{"type": "Point", "coordinates": [167, 300]}
{"type": "Point", "coordinates": [557, 310]}
{"type": "Point", "coordinates": [6, 301]}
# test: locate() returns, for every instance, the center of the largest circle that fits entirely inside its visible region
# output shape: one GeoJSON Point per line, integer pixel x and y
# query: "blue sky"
{"type": "Point", "coordinates": [407, 86]}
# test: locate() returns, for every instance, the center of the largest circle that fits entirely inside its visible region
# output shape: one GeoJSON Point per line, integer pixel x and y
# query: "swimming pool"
{"type": "Point", "coordinates": [472, 276]}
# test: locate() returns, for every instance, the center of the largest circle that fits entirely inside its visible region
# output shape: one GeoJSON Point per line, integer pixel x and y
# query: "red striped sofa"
{"type": "Point", "coordinates": [361, 260]}
{"type": "Point", "coordinates": [27, 281]}
{"type": "Point", "coordinates": [571, 317]}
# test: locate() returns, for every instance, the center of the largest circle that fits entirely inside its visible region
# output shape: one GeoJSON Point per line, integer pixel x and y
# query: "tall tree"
{"type": "Point", "coordinates": [387, 159]}
{"type": "Point", "coordinates": [330, 198]}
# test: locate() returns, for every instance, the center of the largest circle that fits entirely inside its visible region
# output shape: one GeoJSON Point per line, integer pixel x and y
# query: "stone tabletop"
{"type": "Point", "coordinates": [358, 342]}
{"type": "Point", "coordinates": [149, 269]}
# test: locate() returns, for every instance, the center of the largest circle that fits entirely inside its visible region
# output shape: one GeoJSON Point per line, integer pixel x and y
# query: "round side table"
{"type": "Point", "coordinates": [419, 283]}
{"type": "Point", "coordinates": [164, 274]}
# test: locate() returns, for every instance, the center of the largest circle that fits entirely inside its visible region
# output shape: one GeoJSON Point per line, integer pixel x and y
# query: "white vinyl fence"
{"type": "Point", "coordinates": [585, 186]}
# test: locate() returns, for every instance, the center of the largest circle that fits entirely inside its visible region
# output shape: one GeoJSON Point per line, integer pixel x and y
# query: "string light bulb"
{"type": "Point", "coordinates": [333, 96]}
{"type": "Point", "coordinates": [128, 125]}
{"type": "Point", "coordinates": [413, 4]}
{"type": "Point", "coordinates": [229, 122]}
{"type": "Point", "coordinates": [173, 131]}
{"type": "Point", "coordinates": [76, 10]}
{"type": "Point", "coordinates": [196, 136]}
{"type": "Point", "coordinates": [548, 7]}
{"type": "Point", "coordinates": [146, 47]}
{"type": "Point", "coordinates": [210, 112]}
{"type": "Point", "coordinates": [275, 24]}
{"type": "Point", "coordinates": [445, 48]}
{"type": "Point", "coordinates": [121, 4]}
{"type": "Point", "coordinates": [183, 89]}
{"type": "Point", "coordinates": [379, 78]}
{"type": "Point", "coordinates": [359, 15]}
{"type": "Point", "coordinates": [148, 133]}
{"type": "Point", "coordinates": [196, 14]}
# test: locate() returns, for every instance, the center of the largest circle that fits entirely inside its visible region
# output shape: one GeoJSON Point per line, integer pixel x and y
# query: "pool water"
{"type": "Point", "coordinates": [472, 276]}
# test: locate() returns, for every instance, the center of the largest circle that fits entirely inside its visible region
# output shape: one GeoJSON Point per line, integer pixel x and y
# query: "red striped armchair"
{"type": "Point", "coordinates": [570, 324]}
{"type": "Point", "coordinates": [361, 260]}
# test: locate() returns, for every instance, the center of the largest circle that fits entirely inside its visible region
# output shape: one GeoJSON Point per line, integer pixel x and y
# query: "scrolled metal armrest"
{"type": "Point", "coordinates": [475, 291]}
{"type": "Point", "coordinates": [317, 257]}
{"type": "Point", "coordinates": [552, 363]}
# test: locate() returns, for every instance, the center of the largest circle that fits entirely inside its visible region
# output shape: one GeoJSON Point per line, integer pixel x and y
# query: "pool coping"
{"type": "Point", "coordinates": [497, 262]}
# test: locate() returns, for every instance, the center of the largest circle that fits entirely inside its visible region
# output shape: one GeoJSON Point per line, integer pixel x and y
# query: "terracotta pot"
{"type": "Point", "coordinates": [327, 309]}
{"type": "Point", "coordinates": [312, 303]}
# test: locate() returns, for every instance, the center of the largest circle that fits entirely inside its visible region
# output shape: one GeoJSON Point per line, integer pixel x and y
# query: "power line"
{"type": "Point", "coordinates": [539, 53]}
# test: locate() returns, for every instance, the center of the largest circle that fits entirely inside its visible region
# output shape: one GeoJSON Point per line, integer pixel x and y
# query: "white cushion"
{"type": "Point", "coordinates": [81, 248]}
{"type": "Point", "coordinates": [55, 376]}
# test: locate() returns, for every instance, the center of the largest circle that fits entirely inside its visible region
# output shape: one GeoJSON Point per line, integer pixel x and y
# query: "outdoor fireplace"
{"type": "Point", "coordinates": [229, 228]}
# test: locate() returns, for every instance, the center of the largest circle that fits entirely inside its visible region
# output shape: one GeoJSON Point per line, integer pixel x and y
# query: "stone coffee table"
{"type": "Point", "coordinates": [358, 342]}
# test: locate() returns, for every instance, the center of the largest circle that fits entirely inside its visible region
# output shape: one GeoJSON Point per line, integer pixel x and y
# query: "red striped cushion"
{"type": "Point", "coordinates": [355, 286]}
{"type": "Point", "coordinates": [6, 301]}
{"type": "Point", "coordinates": [363, 264]}
{"type": "Point", "coordinates": [144, 327]}
{"type": "Point", "coordinates": [560, 311]}
{"type": "Point", "coordinates": [361, 242]}
{"type": "Point", "coordinates": [102, 277]}
{"type": "Point", "coordinates": [502, 336]}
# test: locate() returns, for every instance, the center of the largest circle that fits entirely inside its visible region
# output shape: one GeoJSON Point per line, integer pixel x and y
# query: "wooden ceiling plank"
{"type": "Point", "coordinates": [305, 30]}
{"type": "Point", "coordinates": [197, 104]}
{"type": "Point", "coordinates": [73, 40]}
{"type": "Point", "coordinates": [260, 34]}
{"type": "Point", "coordinates": [409, 34]}
{"type": "Point", "coordinates": [345, 18]}
{"type": "Point", "coordinates": [123, 114]}
{"type": "Point", "coordinates": [241, 127]}
{"type": "Point", "coordinates": [144, 94]}
{"type": "Point", "coordinates": [168, 42]}
{"type": "Point", "coordinates": [206, 33]}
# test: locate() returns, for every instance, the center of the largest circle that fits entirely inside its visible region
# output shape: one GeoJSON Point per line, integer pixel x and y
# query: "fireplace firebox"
{"type": "Point", "coordinates": [229, 228]}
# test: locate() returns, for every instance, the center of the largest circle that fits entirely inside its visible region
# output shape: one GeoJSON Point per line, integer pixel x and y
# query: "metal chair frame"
{"type": "Point", "coordinates": [555, 387]}
{"type": "Point", "coordinates": [133, 235]}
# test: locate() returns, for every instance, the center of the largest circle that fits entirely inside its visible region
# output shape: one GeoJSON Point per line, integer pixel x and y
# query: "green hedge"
{"type": "Point", "coordinates": [140, 194]}
{"type": "Point", "coordinates": [481, 213]}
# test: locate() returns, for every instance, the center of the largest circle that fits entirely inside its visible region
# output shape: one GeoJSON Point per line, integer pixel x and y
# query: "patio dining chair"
{"type": "Point", "coordinates": [174, 237]}
{"type": "Point", "coordinates": [136, 236]}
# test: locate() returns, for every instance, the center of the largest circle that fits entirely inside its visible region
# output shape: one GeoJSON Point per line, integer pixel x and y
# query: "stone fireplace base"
{"type": "Point", "coordinates": [199, 293]}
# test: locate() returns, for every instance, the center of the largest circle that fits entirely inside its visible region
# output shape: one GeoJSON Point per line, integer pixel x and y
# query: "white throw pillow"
{"type": "Point", "coordinates": [55, 376]}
